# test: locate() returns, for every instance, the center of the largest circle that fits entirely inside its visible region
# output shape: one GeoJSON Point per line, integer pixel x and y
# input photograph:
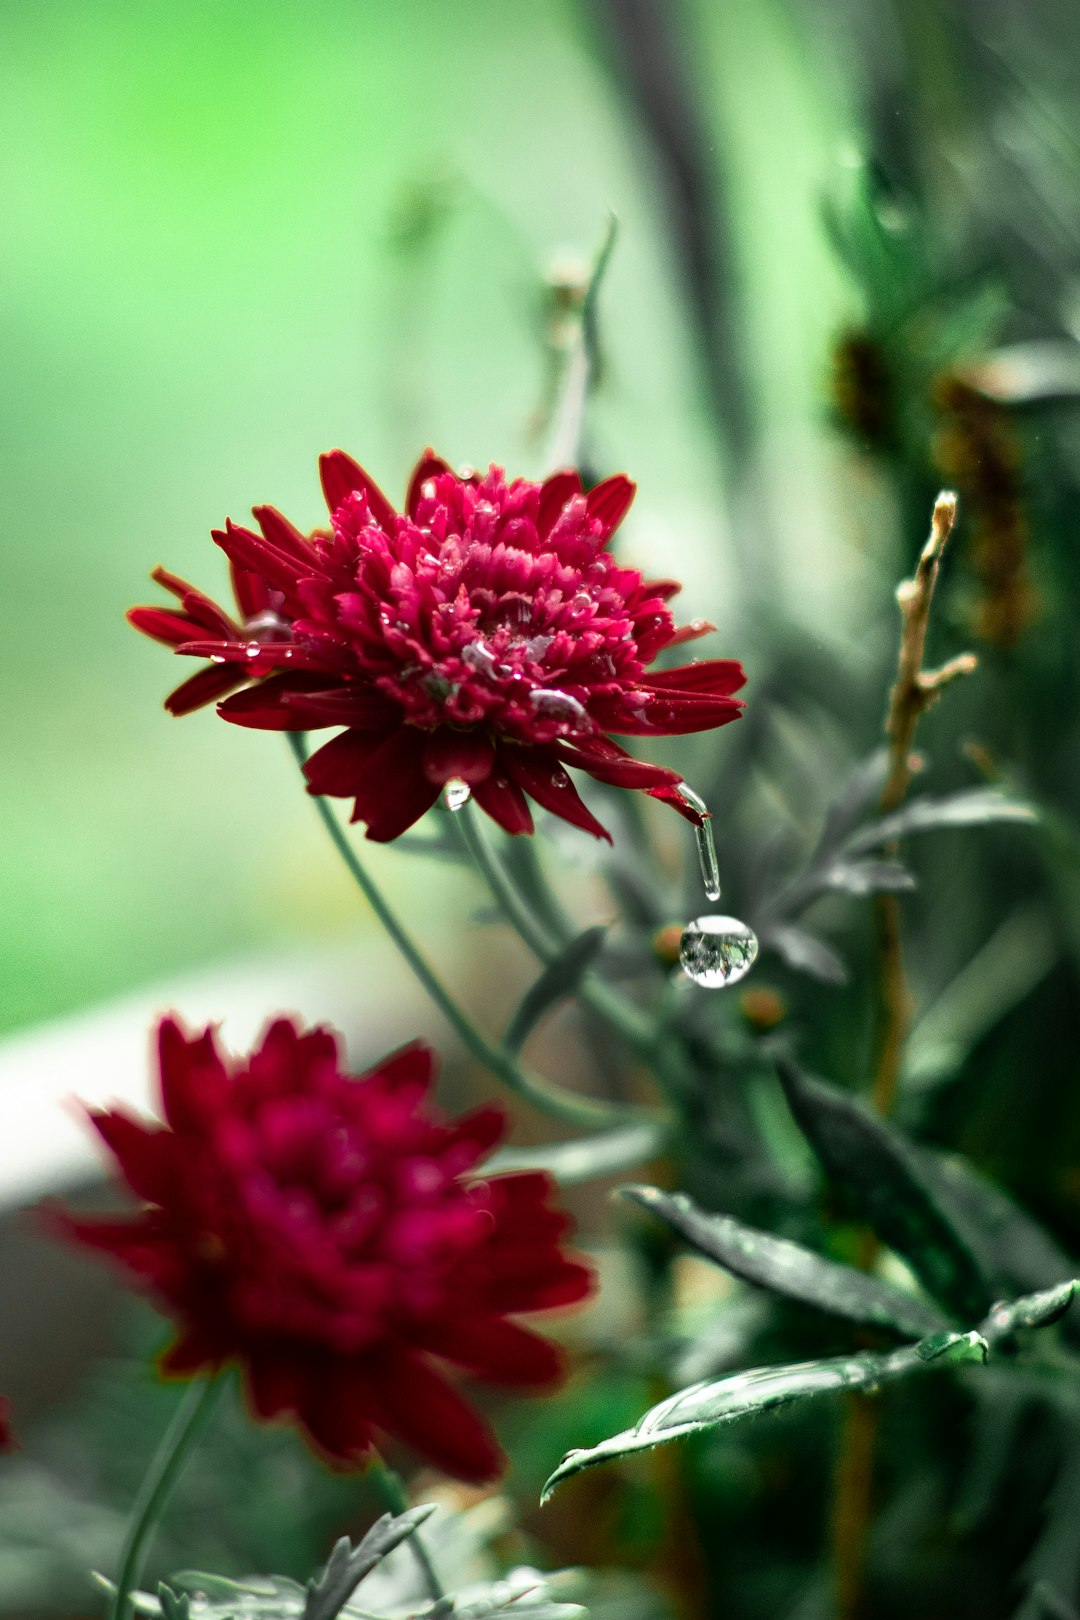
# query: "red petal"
{"type": "Point", "coordinates": [191, 1352]}
{"type": "Point", "coordinates": [258, 556]}
{"type": "Point", "coordinates": [171, 582]}
{"type": "Point", "coordinates": [483, 1129]}
{"type": "Point", "coordinates": [253, 594]}
{"type": "Point", "coordinates": [335, 1408]}
{"type": "Point", "coordinates": [394, 793]}
{"type": "Point", "coordinates": [285, 536]}
{"type": "Point", "coordinates": [554, 495]}
{"type": "Point", "coordinates": [666, 714]}
{"type": "Point", "coordinates": [162, 624]}
{"type": "Point", "coordinates": [520, 1280]}
{"type": "Point", "coordinates": [504, 802]}
{"type": "Point", "coordinates": [193, 1078]}
{"type": "Point", "coordinates": [341, 475]}
{"type": "Point", "coordinates": [690, 632]}
{"type": "Point", "coordinates": [265, 706]}
{"type": "Point", "coordinates": [416, 1404]}
{"type": "Point", "coordinates": [497, 1350]}
{"type": "Point", "coordinates": [672, 796]}
{"type": "Point", "coordinates": [411, 1066]}
{"type": "Point", "coordinates": [204, 687]}
{"type": "Point", "coordinates": [607, 762]}
{"type": "Point", "coordinates": [337, 769]}
{"type": "Point", "coordinates": [468, 754]}
{"type": "Point", "coordinates": [143, 1152]}
{"type": "Point", "coordinates": [276, 1383]}
{"type": "Point", "coordinates": [429, 466]}
{"type": "Point", "coordinates": [609, 502]}
{"type": "Point", "coordinates": [665, 589]}
{"type": "Point", "coordinates": [350, 704]}
{"type": "Point", "coordinates": [716, 675]}
{"type": "Point", "coordinates": [544, 779]}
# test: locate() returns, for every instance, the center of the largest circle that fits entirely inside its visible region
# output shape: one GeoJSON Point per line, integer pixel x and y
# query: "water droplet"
{"type": "Point", "coordinates": [706, 844]}
{"type": "Point", "coordinates": [716, 951]}
{"type": "Point", "coordinates": [427, 489]}
{"type": "Point", "coordinates": [456, 793]}
{"type": "Point", "coordinates": [253, 649]}
{"type": "Point", "coordinates": [555, 705]}
{"type": "Point", "coordinates": [480, 657]}
{"type": "Point", "coordinates": [267, 620]}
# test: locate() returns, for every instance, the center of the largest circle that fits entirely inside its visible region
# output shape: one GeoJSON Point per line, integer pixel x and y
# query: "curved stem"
{"type": "Point", "coordinates": [639, 1030]}
{"type": "Point", "coordinates": [391, 1492]}
{"type": "Point", "coordinates": [189, 1420]}
{"type": "Point", "coordinates": [551, 1099]}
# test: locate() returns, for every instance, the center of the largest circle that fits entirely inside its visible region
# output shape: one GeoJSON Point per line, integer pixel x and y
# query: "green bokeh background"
{"type": "Point", "coordinates": [236, 235]}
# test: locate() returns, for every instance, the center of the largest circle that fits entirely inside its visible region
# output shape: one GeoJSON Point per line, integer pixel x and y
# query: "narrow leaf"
{"type": "Point", "coordinates": [862, 877]}
{"type": "Point", "coordinates": [710, 1404]}
{"type": "Point", "coordinates": [805, 952]}
{"type": "Point", "coordinates": [860, 791]}
{"type": "Point", "coordinates": [605, 1154]}
{"type": "Point", "coordinates": [973, 807]}
{"type": "Point", "coordinates": [347, 1566]}
{"type": "Point", "coordinates": [788, 1268]}
{"type": "Point", "coordinates": [766, 1389]}
{"type": "Point", "coordinates": [559, 979]}
{"type": "Point", "coordinates": [881, 1171]}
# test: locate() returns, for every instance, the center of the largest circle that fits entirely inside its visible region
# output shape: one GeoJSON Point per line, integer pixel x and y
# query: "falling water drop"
{"type": "Point", "coordinates": [456, 793]}
{"type": "Point", "coordinates": [706, 844]}
{"type": "Point", "coordinates": [717, 951]}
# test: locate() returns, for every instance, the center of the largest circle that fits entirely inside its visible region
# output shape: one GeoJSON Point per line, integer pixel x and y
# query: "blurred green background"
{"type": "Point", "coordinates": [236, 235]}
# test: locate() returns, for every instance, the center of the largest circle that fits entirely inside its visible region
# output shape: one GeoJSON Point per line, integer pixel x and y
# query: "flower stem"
{"type": "Point", "coordinates": [592, 1113]}
{"type": "Point", "coordinates": [637, 1028]}
{"type": "Point", "coordinates": [189, 1420]}
{"type": "Point", "coordinates": [391, 1493]}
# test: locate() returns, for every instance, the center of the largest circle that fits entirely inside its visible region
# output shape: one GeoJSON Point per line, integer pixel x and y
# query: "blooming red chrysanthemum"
{"type": "Point", "coordinates": [323, 1232]}
{"type": "Point", "coordinates": [485, 636]}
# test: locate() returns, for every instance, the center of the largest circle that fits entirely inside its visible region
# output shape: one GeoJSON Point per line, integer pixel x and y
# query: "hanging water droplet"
{"type": "Point", "coordinates": [456, 793]}
{"type": "Point", "coordinates": [716, 951]}
{"type": "Point", "coordinates": [706, 844]}
{"type": "Point", "coordinates": [561, 706]}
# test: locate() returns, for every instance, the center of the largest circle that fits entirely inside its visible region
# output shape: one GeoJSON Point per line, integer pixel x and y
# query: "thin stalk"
{"type": "Point", "coordinates": [392, 1495]}
{"type": "Point", "coordinates": [189, 1420]}
{"type": "Point", "coordinates": [591, 1113]}
{"type": "Point", "coordinates": [640, 1031]}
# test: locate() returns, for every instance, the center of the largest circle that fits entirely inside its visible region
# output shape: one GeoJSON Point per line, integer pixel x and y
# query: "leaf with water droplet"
{"type": "Point", "coordinates": [789, 1269]}
{"type": "Point", "coordinates": [559, 980]}
{"type": "Point", "coordinates": [880, 1169]}
{"type": "Point", "coordinates": [805, 952]}
{"type": "Point", "coordinates": [862, 877]}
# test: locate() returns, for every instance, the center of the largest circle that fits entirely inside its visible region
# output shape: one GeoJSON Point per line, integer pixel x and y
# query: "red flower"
{"type": "Point", "coordinates": [322, 1232]}
{"type": "Point", "coordinates": [486, 636]}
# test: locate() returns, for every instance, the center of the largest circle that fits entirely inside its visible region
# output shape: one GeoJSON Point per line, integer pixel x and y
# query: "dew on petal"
{"type": "Point", "coordinates": [456, 793]}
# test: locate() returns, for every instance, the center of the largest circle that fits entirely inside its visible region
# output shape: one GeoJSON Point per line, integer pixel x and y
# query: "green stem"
{"type": "Point", "coordinates": [391, 1493]}
{"type": "Point", "coordinates": [637, 1029]}
{"type": "Point", "coordinates": [189, 1420]}
{"type": "Point", "coordinates": [542, 1094]}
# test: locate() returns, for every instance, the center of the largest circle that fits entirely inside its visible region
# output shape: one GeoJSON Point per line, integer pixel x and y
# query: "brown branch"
{"type": "Point", "coordinates": [913, 692]}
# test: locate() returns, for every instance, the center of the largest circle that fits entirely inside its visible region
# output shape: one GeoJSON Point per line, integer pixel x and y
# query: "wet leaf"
{"type": "Point", "coordinates": [766, 1389]}
{"type": "Point", "coordinates": [863, 877]}
{"type": "Point", "coordinates": [559, 980]}
{"type": "Point", "coordinates": [788, 1268]}
{"type": "Point", "coordinates": [714, 1402]}
{"type": "Point", "coordinates": [881, 1170]}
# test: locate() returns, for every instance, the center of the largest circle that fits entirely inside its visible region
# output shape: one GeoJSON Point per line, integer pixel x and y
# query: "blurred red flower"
{"type": "Point", "coordinates": [486, 636]}
{"type": "Point", "coordinates": [323, 1232]}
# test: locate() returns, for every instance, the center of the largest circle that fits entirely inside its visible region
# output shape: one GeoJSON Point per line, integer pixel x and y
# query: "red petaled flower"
{"type": "Point", "coordinates": [485, 636]}
{"type": "Point", "coordinates": [323, 1232]}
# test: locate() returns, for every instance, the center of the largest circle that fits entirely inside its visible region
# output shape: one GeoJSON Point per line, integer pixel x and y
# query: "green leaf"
{"type": "Point", "coordinates": [174, 1605]}
{"type": "Point", "coordinates": [559, 980]}
{"type": "Point", "coordinates": [973, 807]}
{"type": "Point", "coordinates": [571, 1163]}
{"type": "Point", "coordinates": [712, 1403]}
{"type": "Point", "coordinates": [766, 1389]}
{"type": "Point", "coordinates": [788, 1268]}
{"type": "Point", "coordinates": [882, 1172]}
{"type": "Point", "coordinates": [347, 1565]}
{"type": "Point", "coordinates": [862, 877]}
{"type": "Point", "coordinates": [805, 952]}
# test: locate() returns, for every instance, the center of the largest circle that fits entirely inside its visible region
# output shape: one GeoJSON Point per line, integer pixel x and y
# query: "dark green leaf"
{"type": "Point", "coordinates": [174, 1605]}
{"type": "Point", "coordinates": [881, 1170]}
{"type": "Point", "coordinates": [559, 979]}
{"type": "Point", "coordinates": [788, 1269]}
{"type": "Point", "coordinates": [765, 1389]}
